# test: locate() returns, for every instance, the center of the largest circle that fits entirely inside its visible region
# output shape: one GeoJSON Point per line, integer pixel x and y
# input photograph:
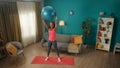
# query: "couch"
{"type": "Point", "coordinates": [62, 41]}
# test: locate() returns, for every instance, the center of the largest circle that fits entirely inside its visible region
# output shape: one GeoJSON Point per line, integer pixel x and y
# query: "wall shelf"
{"type": "Point", "coordinates": [104, 33]}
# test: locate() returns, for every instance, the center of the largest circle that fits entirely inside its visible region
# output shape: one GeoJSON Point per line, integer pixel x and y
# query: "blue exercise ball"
{"type": "Point", "coordinates": [48, 13]}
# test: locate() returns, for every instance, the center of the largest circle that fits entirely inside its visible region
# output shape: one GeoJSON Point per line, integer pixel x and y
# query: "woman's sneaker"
{"type": "Point", "coordinates": [46, 58]}
{"type": "Point", "coordinates": [59, 60]}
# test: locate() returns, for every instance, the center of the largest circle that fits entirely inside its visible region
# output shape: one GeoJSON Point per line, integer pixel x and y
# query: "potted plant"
{"type": "Point", "coordinates": [86, 27]}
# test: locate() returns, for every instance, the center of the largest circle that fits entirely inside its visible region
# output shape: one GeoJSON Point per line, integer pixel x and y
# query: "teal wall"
{"type": "Point", "coordinates": [85, 9]}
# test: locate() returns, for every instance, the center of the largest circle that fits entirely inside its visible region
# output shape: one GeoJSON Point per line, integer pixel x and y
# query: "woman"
{"type": "Point", "coordinates": [52, 37]}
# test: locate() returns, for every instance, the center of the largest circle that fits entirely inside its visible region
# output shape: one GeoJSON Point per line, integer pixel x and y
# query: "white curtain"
{"type": "Point", "coordinates": [26, 11]}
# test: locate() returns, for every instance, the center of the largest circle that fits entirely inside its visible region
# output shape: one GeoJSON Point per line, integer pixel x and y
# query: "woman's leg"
{"type": "Point", "coordinates": [57, 50]}
{"type": "Point", "coordinates": [49, 48]}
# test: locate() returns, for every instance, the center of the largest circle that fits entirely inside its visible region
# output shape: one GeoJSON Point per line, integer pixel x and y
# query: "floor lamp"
{"type": "Point", "coordinates": [62, 23]}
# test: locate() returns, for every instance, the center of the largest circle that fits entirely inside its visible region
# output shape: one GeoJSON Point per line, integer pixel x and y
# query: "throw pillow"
{"type": "Point", "coordinates": [12, 49]}
{"type": "Point", "coordinates": [78, 40]}
{"type": "Point", "coordinates": [72, 38]}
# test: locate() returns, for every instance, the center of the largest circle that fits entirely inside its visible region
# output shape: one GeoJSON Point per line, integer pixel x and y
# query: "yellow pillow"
{"type": "Point", "coordinates": [78, 39]}
{"type": "Point", "coordinates": [12, 49]}
{"type": "Point", "coordinates": [72, 38]}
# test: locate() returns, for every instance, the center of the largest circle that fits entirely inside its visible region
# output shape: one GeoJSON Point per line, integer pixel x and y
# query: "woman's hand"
{"type": "Point", "coordinates": [43, 21]}
{"type": "Point", "coordinates": [56, 23]}
{"type": "Point", "coordinates": [56, 18]}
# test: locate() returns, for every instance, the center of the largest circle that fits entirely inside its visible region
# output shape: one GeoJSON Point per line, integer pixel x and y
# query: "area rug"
{"type": "Point", "coordinates": [53, 60]}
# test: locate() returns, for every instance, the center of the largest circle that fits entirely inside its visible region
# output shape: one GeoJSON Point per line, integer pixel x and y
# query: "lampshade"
{"type": "Point", "coordinates": [62, 23]}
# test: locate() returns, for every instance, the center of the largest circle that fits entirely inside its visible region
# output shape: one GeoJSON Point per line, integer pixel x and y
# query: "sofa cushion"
{"type": "Point", "coordinates": [61, 46]}
{"type": "Point", "coordinates": [63, 38]}
{"type": "Point", "coordinates": [59, 37]}
{"type": "Point", "coordinates": [46, 36]}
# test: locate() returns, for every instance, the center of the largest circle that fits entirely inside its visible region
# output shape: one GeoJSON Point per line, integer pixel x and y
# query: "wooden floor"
{"type": "Point", "coordinates": [89, 58]}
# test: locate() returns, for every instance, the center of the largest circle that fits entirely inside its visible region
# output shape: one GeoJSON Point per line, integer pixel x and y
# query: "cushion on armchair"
{"type": "Point", "coordinates": [11, 49]}
{"type": "Point", "coordinates": [76, 39]}
{"type": "Point", "coordinates": [18, 45]}
{"type": "Point", "coordinates": [72, 48]}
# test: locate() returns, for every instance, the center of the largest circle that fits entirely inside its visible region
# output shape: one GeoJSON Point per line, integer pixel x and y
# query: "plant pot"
{"type": "Point", "coordinates": [85, 45]}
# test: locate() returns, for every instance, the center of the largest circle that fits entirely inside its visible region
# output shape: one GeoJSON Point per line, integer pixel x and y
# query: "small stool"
{"type": "Point", "coordinates": [116, 48]}
{"type": "Point", "coordinates": [72, 48]}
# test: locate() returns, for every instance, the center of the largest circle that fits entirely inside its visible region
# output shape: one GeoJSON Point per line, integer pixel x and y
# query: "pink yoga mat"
{"type": "Point", "coordinates": [53, 60]}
